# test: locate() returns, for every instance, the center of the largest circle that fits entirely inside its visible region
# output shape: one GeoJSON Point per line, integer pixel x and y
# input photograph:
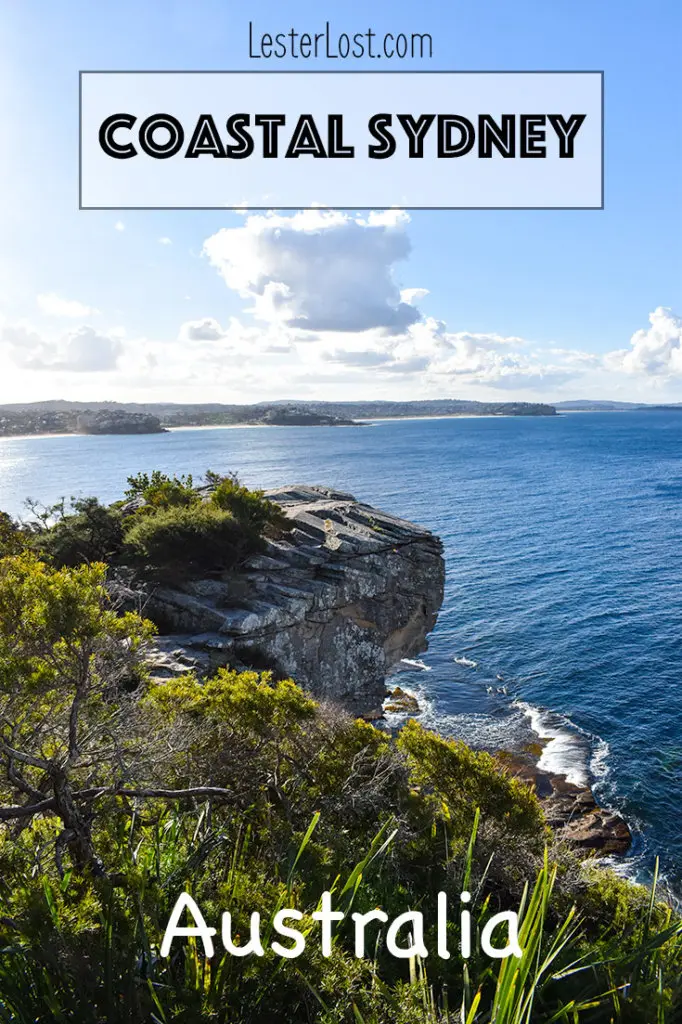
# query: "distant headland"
{"type": "Point", "coordinates": [62, 417]}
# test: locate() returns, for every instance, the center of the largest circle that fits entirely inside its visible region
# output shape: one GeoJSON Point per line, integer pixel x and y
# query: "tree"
{"type": "Point", "coordinates": [67, 659]}
{"type": "Point", "coordinates": [73, 730]}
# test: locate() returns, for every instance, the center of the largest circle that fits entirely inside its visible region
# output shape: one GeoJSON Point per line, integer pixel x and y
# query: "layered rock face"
{"type": "Point", "coordinates": [335, 603]}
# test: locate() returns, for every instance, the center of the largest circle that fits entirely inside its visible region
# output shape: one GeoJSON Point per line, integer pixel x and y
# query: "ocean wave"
{"type": "Point", "coordinates": [568, 750]}
{"type": "Point", "coordinates": [466, 661]}
{"type": "Point", "coordinates": [417, 663]}
{"type": "Point", "coordinates": [599, 766]}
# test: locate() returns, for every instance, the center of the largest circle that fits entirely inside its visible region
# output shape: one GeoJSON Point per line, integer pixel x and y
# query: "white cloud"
{"type": "Point", "coordinates": [85, 351]}
{"type": "Point", "coordinates": [82, 350]}
{"type": "Point", "coordinates": [447, 359]}
{"type": "Point", "coordinates": [317, 270]}
{"type": "Point", "coordinates": [165, 240]}
{"type": "Point", "coordinates": [655, 352]}
{"type": "Point", "coordinates": [119, 226]}
{"type": "Point", "coordinates": [207, 329]}
{"type": "Point", "coordinates": [330, 319]}
{"type": "Point", "coordinates": [324, 282]}
{"type": "Point", "coordinates": [54, 305]}
{"type": "Point", "coordinates": [412, 295]}
{"type": "Point", "coordinates": [25, 347]}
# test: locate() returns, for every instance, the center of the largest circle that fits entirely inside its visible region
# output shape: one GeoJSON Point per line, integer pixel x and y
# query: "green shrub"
{"type": "Point", "coordinates": [12, 540]}
{"type": "Point", "coordinates": [162, 491]}
{"type": "Point", "coordinates": [173, 527]}
{"type": "Point", "coordinates": [311, 800]}
{"type": "Point", "coordinates": [462, 779]}
{"type": "Point", "coordinates": [93, 533]}
{"type": "Point", "coordinates": [250, 508]}
{"type": "Point", "coordinates": [185, 540]}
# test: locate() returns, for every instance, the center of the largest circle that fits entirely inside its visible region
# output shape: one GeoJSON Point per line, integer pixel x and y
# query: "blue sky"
{"type": "Point", "coordinates": [538, 305]}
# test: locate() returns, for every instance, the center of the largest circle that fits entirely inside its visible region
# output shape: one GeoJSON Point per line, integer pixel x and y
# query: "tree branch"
{"type": "Point", "coordinates": [20, 783]}
{"type": "Point", "coordinates": [27, 810]}
{"type": "Point", "coordinates": [163, 794]}
{"type": "Point", "coordinates": [35, 762]}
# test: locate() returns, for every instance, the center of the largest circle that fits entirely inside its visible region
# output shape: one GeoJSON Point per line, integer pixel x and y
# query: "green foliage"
{"type": "Point", "coordinates": [461, 779]}
{"type": "Point", "coordinates": [172, 528]}
{"type": "Point", "coordinates": [11, 538]}
{"type": "Point", "coordinates": [65, 657]}
{"type": "Point", "coordinates": [188, 539]}
{"type": "Point", "coordinates": [83, 951]}
{"type": "Point", "coordinates": [116, 795]}
{"type": "Point", "coordinates": [250, 508]}
{"type": "Point", "coordinates": [250, 702]}
{"type": "Point", "coordinates": [162, 491]}
{"type": "Point", "coordinates": [56, 627]}
{"type": "Point", "coordinates": [92, 533]}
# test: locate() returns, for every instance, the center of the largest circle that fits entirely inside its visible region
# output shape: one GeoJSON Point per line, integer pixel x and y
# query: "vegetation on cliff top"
{"type": "Point", "coordinates": [166, 526]}
{"type": "Point", "coordinates": [117, 794]}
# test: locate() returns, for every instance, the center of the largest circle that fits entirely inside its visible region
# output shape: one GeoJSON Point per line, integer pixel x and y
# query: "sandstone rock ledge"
{"type": "Point", "coordinates": [570, 810]}
{"type": "Point", "coordinates": [335, 603]}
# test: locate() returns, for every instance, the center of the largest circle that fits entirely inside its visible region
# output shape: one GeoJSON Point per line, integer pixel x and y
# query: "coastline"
{"type": "Point", "coordinates": [275, 426]}
{"type": "Point", "coordinates": [559, 770]}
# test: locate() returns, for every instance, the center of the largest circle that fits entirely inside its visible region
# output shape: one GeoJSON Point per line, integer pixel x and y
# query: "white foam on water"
{"type": "Point", "coordinates": [599, 765]}
{"type": "Point", "coordinates": [394, 719]}
{"type": "Point", "coordinates": [466, 661]}
{"type": "Point", "coordinates": [567, 750]}
{"type": "Point", "coordinates": [415, 663]}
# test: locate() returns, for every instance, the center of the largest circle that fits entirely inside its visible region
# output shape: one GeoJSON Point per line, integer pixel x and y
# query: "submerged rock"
{"type": "Point", "coordinates": [401, 702]}
{"type": "Point", "coordinates": [335, 603]}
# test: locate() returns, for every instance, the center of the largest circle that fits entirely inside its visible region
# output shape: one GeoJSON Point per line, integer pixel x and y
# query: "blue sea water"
{"type": "Point", "coordinates": [563, 544]}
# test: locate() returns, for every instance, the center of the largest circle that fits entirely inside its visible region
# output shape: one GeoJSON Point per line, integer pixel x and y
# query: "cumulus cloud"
{"type": "Point", "coordinates": [319, 270]}
{"type": "Point", "coordinates": [83, 350]}
{"type": "Point", "coordinates": [362, 358]}
{"type": "Point", "coordinates": [325, 283]}
{"type": "Point", "coordinates": [207, 329]}
{"type": "Point", "coordinates": [327, 306]}
{"type": "Point", "coordinates": [25, 347]}
{"type": "Point", "coordinates": [210, 340]}
{"type": "Point", "coordinates": [54, 305]}
{"type": "Point", "coordinates": [87, 351]}
{"type": "Point", "coordinates": [445, 357]}
{"type": "Point", "coordinates": [412, 295]}
{"type": "Point", "coordinates": [655, 352]}
{"type": "Point", "coordinates": [165, 240]}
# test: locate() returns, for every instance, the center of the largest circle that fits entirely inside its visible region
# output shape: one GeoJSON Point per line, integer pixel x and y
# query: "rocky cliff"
{"type": "Point", "coordinates": [335, 603]}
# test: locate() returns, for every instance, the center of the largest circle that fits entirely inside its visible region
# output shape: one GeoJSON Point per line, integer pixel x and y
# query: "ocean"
{"type": "Point", "coordinates": [563, 543]}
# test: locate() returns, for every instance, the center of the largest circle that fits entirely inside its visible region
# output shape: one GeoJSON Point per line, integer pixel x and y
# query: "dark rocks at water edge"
{"type": "Point", "coordinates": [399, 701]}
{"type": "Point", "coordinates": [336, 602]}
{"type": "Point", "coordinates": [572, 811]}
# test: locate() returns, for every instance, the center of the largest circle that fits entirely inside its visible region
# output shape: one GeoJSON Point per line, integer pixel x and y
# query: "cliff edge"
{"type": "Point", "coordinates": [335, 603]}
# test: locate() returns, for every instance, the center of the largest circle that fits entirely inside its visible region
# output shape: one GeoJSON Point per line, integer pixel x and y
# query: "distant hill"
{"type": "Point", "coordinates": [59, 416]}
{"type": "Point", "coordinates": [591, 405]}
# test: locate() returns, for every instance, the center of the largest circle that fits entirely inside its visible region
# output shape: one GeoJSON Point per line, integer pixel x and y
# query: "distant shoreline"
{"type": "Point", "coordinates": [279, 426]}
{"type": "Point", "coordinates": [275, 426]}
{"type": "Point", "coordinates": [357, 422]}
